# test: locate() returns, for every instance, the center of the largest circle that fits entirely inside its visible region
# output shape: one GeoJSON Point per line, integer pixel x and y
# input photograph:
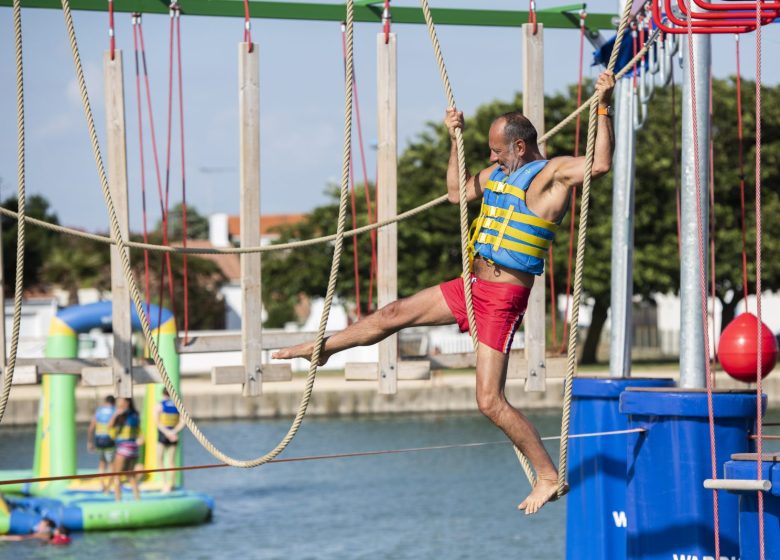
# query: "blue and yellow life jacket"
{"type": "Point", "coordinates": [506, 231]}
{"type": "Point", "coordinates": [169, 415]}
{"type": "Point", "coordinates": [129, 430]}
{"type": "Point", "coordinates": [102, 438]}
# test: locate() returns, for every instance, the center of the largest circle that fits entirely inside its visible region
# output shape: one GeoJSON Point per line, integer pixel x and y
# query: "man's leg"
{"type": "Point", "coordinates": [426, 307]}
{"type": "Point", "coordinates": [491, 379]}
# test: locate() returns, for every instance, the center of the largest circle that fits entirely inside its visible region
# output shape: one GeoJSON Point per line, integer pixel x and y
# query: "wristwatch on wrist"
{"type": "Point", "coordinates": [605, 111]}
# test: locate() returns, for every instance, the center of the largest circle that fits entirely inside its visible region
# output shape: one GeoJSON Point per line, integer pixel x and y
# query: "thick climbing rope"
{"type": "Point", "coordinates": [305, 458]}
{"type": "Point", "coordinates": [464, 211]}
{"type": "Point", "coordinates": [10, 366]}
{"type": "Point", "coordinates": [571, 365]}
{"type": "Point", "coordinates": [709, 377]}
{"type": "Point", "coordinates": [134, 292]}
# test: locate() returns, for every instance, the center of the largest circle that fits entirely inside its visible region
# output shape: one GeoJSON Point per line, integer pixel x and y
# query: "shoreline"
{"type": "Point", "coordinates": [333, 396]}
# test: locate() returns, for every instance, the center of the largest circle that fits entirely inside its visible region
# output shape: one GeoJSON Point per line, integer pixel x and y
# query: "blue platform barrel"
{"type": "Point", "coordinates": [745, 467]}
{"type": "Point", "coordinates": [669, 513]}
{"type": "Point", "coordinates": [595, 506]}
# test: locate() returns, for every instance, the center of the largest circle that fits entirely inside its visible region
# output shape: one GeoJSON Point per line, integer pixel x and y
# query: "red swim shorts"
{"type": "Point", "coordinates": [498, 307]}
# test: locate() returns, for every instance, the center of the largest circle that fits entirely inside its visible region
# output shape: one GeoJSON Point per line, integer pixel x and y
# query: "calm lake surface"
{"type": "Point", "coordinates": [455, 503]}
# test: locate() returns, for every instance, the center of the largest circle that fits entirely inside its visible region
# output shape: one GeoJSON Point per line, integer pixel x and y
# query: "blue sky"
{"type": "Point", "coordinates": [301, 100]}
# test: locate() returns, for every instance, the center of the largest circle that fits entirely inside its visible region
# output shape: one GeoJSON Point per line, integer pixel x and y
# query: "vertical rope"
{"type": "Point", "coordinates": [464, 225]}
{"type": "Point", "coordinates": [741, 153]}
{"type": "Point", "coordinates": [571, 365]}
{"type": "Point", "coordinates": [136, 21]}
{"type": "Point", "coordinates": [8, 369]}
{"type": "Point", "coordinates": [122, 247]}
{"type": "Point", "coordinates": [703, 280]}
{"type": "Point", "coordinates": [185, 271]}
{"type": "Point", "coordinates": [759, 326]}
{"type": "Point", "coordinates": [573, 203]}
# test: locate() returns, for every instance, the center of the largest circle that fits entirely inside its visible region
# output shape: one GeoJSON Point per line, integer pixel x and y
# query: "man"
{"type": "Point", "coordinates": [169, 424]}
{"type": "Point", "coordinates": [524, 198]}
{"type": "Point", "coordinates": [99, 439]}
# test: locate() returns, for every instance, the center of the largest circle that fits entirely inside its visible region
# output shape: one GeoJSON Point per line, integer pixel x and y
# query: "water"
{"type": "Point", "coordinates": [454, 504]}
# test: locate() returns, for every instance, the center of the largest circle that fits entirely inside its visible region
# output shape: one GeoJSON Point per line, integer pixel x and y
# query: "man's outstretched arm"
{"type": "Point", "coordinates": [454, 120]}
{"type": "Point", "coordinates": [571, 172]}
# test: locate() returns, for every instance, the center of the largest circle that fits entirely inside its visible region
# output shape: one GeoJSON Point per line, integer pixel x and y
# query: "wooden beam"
{"type": "Point", "coordinates": [369, 371]}
{"type": "Point", "coordinates": [249, 150]}
{"type": "Point", "coordinates": [533, 108]}
{"type": "Point", "coordinates": [62, 365]}
{"type": "Point", "coordinates": [320, 11]}
{"type": "Point", "coordinates": [227, 375]}
{"type": "Point", "coordinates": [26, 375]}
{"type": "Point", "coordinates": [100, 376]}
{"type": "Point", "coordinates": [387, 201]}
{"type": "Point", "coordinates": [519, 368]}
{"type": "Point", "coordinates": [231, 341]}
{"type": "Point", "coordinates": [117, 180]}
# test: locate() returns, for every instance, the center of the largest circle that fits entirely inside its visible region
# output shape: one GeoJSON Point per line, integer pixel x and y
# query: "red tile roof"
{"type": "Point", "coordinates": [268, 223]}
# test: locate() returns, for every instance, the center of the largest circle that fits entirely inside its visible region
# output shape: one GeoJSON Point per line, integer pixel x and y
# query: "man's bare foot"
{"type": "Point", "coordinates": [304, 350]}
{"type": "Point", "coordinates": [546, 490]}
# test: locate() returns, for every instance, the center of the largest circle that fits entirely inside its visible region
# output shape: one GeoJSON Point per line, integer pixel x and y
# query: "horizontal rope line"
{"type": "Point", "coordinates": [308, 458]}
{"type": "Point", "coordinates": [317, 240]}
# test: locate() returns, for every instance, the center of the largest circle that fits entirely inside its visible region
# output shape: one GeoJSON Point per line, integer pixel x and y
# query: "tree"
{"type": "Point", "coordinates": [197, 224]}
{"type": "Point", "coordinates": [75, 263]}
{"type": "Point", "coordinates": [206, 308]}
{"type": "Point", "coordinates": [38, 242]}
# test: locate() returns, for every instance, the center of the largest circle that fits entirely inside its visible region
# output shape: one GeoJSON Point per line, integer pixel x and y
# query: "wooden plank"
{"type": "Point", "coordinates": [369, 371]}
{"type": "Point", "coordinates": [231, 341]}
{"type": "Point", "coordinates": [533, 108]}
{"type": "Point", "coordinates": [387, 201]}
{"type": "Point", "coordinates": [414, 370]}
{"type": "Point", "coordinates": [100, 376]}
{"type": "Point", "coordinates": [117, 181]}
{"type": "Point", "coordinates": [460, 360]}
{"type": "Point", "coordinates": [26, 375]}
{"type": "Point", "coordinates": [520, 369]}
{"type": "Point", "coordinates": [249, 150]}
{"type": "Point", "coordinates": [227, 375]}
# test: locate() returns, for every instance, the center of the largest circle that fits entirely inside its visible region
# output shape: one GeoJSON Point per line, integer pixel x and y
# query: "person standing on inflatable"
{"type": "Point", "coordinates": [99, 438]}
{"type": "Point", "coordinates": [125, 426]}
{"type": "Point", "coordinates": [169, 424]}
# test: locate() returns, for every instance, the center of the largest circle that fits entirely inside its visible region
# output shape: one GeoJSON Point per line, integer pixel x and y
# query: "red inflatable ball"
{"type": "Point", "coordinates": [738, 348]}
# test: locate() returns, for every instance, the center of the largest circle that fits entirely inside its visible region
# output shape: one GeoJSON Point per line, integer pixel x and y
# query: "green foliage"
{"type": "Point", "coordinates": [206, 309]}
{"type": "Point", "coordinates": [197, 224]}
{"type": "Point", "coordinates": [72, 263]}
{"type": "Point", "coordinates": [38, 242]}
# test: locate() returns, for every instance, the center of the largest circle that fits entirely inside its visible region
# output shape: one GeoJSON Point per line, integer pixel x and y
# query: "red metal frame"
{"type": "Point", "coordinates": [708, 23]}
